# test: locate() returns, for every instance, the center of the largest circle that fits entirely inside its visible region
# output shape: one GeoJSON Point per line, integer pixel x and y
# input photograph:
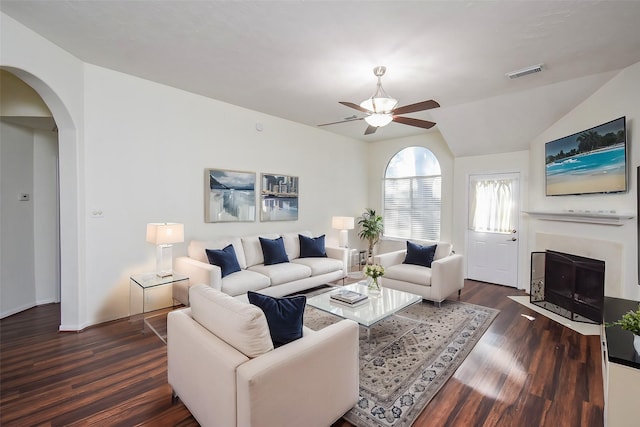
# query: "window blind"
{"type": "Point", "coordinates": [412, 207]}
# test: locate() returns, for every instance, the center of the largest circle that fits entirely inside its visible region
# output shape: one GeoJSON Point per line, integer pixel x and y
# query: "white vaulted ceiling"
{"type": "Point", "coordinates": [296, 60]}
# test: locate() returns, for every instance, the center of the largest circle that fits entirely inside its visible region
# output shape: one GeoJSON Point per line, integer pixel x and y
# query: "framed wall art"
{"type": "Point", "coordinates": [278, 198]}
{"type": "Point", "coordinates": [230, 196]}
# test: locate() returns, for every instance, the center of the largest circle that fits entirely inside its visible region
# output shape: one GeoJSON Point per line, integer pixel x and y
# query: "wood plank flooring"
{"type": "Point", "coordinates": [521, 373]}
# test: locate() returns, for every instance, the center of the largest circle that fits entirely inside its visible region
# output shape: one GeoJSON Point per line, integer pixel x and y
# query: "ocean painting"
{"type": "Point", "coordinates": [230, 196]}
{"type": "Point", "coordinates": [592, 161]}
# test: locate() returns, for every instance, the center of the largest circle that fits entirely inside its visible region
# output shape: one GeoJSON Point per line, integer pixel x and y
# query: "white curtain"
{"type": "Point", "coordinates": [491, 205]}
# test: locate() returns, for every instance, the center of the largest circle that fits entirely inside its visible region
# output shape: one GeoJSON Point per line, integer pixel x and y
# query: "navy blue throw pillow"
{"type": "Point", "coordinates": [284, 316]}
{"type": "Point", "coordinates": [312, 247]}
{"type": "Point", "coordinates": [273, 251]}
{"type": "Point", "coordinates": [420, 254]}
{"type": "Point", "coordinates": [225, 259]}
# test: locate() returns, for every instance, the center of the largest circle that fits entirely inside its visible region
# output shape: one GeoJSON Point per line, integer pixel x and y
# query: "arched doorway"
{"type": "Point", "coordinates": [71, 235]}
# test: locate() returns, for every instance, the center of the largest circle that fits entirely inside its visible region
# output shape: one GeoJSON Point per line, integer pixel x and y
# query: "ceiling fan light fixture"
{"type": "Point", "coordinates": [378, 120]}
{"type": "Point", "coordinates": [379, 104]}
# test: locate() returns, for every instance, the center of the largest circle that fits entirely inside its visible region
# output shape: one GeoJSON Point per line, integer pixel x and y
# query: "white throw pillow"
{"type": "Point", "coordinates": [243, 326]}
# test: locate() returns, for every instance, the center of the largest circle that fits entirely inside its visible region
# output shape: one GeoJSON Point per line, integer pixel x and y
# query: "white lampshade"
{"type": "Point", "coordinates": [165, 233]}
{"type": "Point", "coordinates": [378, 120]}
{"type": "Point", "coordinates": [343, 222]}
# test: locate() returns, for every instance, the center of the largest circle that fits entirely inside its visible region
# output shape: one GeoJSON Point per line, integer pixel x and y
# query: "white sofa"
{"type": "Point", "coordinates": [223, 367]}
{"type": "Point", "coordinates": [435, 283]}
{"type": "Point", "coordinates": [275, 280]}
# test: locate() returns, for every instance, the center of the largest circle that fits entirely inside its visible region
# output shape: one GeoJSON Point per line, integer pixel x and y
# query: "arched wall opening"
{"type": "Point", "coordinates": [71, 226]}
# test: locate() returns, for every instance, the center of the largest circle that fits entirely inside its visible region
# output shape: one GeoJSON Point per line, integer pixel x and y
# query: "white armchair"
{"type": "Point", "coordinates": [223, 367]}
{"type": "Point", "coordinates": [443, 278]}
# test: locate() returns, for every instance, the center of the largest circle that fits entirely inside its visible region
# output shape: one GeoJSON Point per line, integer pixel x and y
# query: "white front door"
{"type": "Point", "coordinates": [492, 232]}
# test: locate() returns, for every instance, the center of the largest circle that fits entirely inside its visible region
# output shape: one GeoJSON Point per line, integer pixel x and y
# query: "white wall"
{"type": "Point", "coordinates": [46, 220]}
{"type": "Point", "coordinates": [618, 97]}
{"type": "Point", "coordinates": [147, 146]}
{"type": "Point", "coordinates": [380, 153]}
{"type": "Point", "coordinates": [490, 164]}
{"type": "Point", "coordinates": [17, 268]}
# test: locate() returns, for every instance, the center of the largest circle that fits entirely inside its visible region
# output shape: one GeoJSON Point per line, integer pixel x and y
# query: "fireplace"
{"type": "Point", "coordinates": [569, 285]}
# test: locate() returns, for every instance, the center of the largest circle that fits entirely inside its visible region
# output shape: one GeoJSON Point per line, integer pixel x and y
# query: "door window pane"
{"type": "Point", "coordinates": [491, 205]}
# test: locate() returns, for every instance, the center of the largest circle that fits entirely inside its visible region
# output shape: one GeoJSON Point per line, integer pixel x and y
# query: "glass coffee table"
{"type": "Point", "coordinates": [379, 305]}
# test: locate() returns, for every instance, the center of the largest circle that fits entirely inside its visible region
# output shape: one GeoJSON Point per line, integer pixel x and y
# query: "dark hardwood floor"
{"type": "Point", "coordinates": [521, 373]}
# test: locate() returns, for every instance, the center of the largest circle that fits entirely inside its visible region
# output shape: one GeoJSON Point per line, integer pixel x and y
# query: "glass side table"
{"type": "Point", "coordinates": [148, 293]}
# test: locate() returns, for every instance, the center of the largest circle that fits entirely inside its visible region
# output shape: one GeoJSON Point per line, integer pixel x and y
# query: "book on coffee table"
{"type": "Point", "coordinates": [348, 297]}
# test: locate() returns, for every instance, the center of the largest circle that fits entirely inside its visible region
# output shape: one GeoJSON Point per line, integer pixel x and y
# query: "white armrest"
{"type": "Point", "coordinates": [322, 367]}
{"type": "Point", "coordinates": [446, 276]}
{"type": "Point", "coordinates": [201, 369]}
{"type": "Point", "coordinates": [390, 258]}
{"type": "Point", "coordinates": [341, 254]}
{"type": "Point", "coordinates": [199, 272]}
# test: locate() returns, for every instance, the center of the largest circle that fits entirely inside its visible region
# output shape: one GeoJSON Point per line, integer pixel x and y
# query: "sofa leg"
{"type": "Point", "coordinates": [459, 292]}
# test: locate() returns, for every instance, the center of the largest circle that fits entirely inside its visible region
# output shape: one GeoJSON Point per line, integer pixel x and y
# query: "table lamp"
{"type": "Point", "coordinates": [343, 223]}
{"type": "Point", "coordinates": [163, 235]}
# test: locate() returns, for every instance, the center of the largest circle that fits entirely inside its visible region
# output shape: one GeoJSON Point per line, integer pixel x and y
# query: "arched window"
{"type": "Point", "coordinates": [412, 195]}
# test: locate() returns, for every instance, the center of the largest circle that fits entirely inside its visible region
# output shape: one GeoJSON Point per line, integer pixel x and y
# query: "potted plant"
{"type": "Point", "coordinates": [373, 272]}
{"type": "Point", "coordinates": [630, 321]}
{"type": "Point", "coordinates": [371, 229]}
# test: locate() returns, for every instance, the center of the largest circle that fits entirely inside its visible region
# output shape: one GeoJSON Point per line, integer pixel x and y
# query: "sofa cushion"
{"type": "Point", "coordinates": [409, 273]}
{"type": "Point", "coordinates": [273, 251]}
{"type": "Point", "coordinates": [253, 249]}
{"type": "Point", "coordinates": [284, 272]}
{"type": "Point", "coordinates": [312, 247]}
{"type": "Point", "coordinates": [419, 254]}
{"type": "Point", "coordinates": [225, 259]}
{"type": "Point", "coordinates": [284, 316]}
{"type": "Point", "coordinates": [444, 250]}
{"type": "Point", "coordinates": [320, 266]}
{"type": "Point", "coordinates": [292, 243]}
{"type": "Point", "coordinates": [197, 249]}
{"type": "Point", "coordinates": [242, 326]}
{"type": "Point", "coordinates": [244, 280]}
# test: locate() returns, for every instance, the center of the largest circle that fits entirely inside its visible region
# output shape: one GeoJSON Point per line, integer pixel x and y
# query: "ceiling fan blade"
{"type": "Point", "coordinates": [341, 121]}
{"type": "Point", "coordinates": [414, 122]}
{"type": "Point", "coordinates": [354, 106]}
{"type": "Point", "coordinates": [418, 106]}
{"type": "Point", "coordinates": [370, 130]}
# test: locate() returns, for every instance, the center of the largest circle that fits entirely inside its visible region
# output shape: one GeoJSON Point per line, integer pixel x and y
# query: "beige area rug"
{"type": "Point", "coordinates": [581, 328]}
{"type": "Point", "coordinates": [409, 357]}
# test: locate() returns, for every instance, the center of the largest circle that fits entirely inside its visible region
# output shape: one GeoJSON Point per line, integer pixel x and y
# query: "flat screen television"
{"type": "Point", "coordinates": [588, 162]}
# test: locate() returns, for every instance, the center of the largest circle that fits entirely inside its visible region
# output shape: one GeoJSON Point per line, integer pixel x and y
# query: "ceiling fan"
{"type": "Point", "coordinates": [381, 109]}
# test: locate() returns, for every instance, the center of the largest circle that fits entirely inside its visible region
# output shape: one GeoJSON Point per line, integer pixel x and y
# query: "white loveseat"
{"type": "Point", "coordinates": [223, 367]}
{"type": "Point", "coordinates": [435, 283]}
{"type": "Point", "coordinates": [275, 280]}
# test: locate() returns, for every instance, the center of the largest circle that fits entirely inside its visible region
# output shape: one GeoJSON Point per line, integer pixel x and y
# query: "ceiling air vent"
{"type": "Point", "coordinates": [525, 71]}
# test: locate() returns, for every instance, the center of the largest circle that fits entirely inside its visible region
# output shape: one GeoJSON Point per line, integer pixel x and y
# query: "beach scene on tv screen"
{"type": "Point", "coordinates": [592, 161]}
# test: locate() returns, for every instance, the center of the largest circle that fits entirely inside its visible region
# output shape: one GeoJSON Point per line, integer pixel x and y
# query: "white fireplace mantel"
{"type": "Point", "coordinates": [605, 218]}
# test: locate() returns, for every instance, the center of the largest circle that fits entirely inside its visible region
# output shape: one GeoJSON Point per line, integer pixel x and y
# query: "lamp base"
{"type": "Point", "coordinates": [164, 261]}
{"type": "Point", "coordinates": [344, 239]}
